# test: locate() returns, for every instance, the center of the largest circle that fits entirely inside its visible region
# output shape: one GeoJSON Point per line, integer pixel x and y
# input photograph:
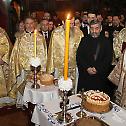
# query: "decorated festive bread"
{"type": "Point", "coordinates": [46, 79]}
{"type": "Point", "coordinates": [97, 101]}
{"type": "Point", "coordinates": [87, 122]}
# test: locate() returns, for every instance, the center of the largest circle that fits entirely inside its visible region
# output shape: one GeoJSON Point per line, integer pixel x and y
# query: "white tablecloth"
{"type": "Point", "coordinates": [36, 96]}
{"type": "Point", "coordinates": [44, 114]}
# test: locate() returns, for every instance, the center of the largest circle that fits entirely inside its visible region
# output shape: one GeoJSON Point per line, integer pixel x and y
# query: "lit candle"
{"type": "Point", "coordinates": [66, 54]}
{"type": "Point", "coordinates": [35, 45]}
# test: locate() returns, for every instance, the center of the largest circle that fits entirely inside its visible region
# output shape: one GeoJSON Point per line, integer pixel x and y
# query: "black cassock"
{"type": "Point", "coordinates": [94, 52]}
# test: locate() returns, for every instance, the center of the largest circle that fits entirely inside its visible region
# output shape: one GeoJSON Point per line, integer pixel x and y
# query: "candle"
{"type": "Point", "coordinates": [66, 54]}
{"type": "Point", "coordinates": [35, 46]}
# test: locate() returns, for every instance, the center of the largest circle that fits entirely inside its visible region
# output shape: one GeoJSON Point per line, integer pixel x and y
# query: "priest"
{"type": "Point", "coordinates": [5, 48]}
{"type": "Point", "coordinates": [22, 52]}
{"type": "Point", "coordinates": [55, 63]}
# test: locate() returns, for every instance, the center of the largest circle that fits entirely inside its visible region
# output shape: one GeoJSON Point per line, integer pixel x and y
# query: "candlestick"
{"type": "Point", "coordinates": [64, 117]}
{"type": "Point", "coordinates": [35, 84]}
{"type": "Point", "coordinates": [81, 113]}
{"type": "Point", "coordinates": [66, 57]}
{"type": "Point", "coordinates": [35, 45]}
{"type": "Point", "coordinates": [35, 67]}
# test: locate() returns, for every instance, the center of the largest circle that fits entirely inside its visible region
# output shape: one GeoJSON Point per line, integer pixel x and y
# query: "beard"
{"type": "Point", "coordinates": [94, 34]}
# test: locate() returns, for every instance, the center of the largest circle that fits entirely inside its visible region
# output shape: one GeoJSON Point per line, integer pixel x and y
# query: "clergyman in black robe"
{"type": "Point", "coordinates": [94, 57]}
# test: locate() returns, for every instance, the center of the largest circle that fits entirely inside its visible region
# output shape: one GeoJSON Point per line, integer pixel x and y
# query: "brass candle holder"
{"type": "Point", "coordinates": [81, 113]}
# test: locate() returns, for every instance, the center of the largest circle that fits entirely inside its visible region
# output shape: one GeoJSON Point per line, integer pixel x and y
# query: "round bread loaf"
{"type": "Point", "coordinates": [46, 79]}
{"type": "Point", "coordinates": [87, 122]}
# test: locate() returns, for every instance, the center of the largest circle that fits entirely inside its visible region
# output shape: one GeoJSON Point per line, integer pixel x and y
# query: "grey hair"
{"type": "Point", "coordinates": [94, 22]}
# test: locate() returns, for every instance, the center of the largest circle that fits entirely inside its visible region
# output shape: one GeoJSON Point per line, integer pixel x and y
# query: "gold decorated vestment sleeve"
{"type": "Point", "coordinates": [3, 91]}
{"type": "Point", "coordinates": [50, 63]}
{"type": "Point", "coordinates": [44, 43]}
{"type": "Point", "coordinates": [14, 66]}
{"type": "Point", "coordinates": [118, 41]}
{"type": "Point", "coordinates": [114, 76]}
{"type": "Point", "coordinates": [117, 46]}
{"type": "Point", "coordinates": [4, 48]}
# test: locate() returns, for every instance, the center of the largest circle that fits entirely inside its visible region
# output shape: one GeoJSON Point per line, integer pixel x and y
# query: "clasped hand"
{"type": "Point", "coordinates": [91, 70]}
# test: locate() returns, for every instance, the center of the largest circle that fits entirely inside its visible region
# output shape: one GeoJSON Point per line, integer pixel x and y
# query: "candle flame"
{"type": "Point", "coordinates": [35, 31]}
{"type": "Point", "coordinates": [68, 16]}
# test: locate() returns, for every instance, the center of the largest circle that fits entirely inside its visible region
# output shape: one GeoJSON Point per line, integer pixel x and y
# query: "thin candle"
{"type": "Point", "coordinates": [66, 57]}
{"type": "Point", "coordinates": [35, 44]}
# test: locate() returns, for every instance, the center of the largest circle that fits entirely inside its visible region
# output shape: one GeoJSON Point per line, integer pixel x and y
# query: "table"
{"type": "Point", "coordinates": [44, 114]}
{"type": "Point", "coordinates": [31, 96]}
{"type": "Point", "coordinates": [36, 96]}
